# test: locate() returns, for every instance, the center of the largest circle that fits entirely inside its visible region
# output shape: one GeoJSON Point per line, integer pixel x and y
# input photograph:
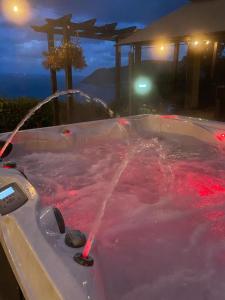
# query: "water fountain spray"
{"type": "Point", "coordinates": [47, 100]}
{"type": "Point", "coordinates": [84, 258]}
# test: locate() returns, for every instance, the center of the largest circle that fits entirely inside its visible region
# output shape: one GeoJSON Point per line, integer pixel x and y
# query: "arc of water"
{"type": "Point", "coordinates": [101, 214]}
{"type": "Point", "coordinates": [102, 211]}
{"type": "Point", "coordinates": [47, 100]}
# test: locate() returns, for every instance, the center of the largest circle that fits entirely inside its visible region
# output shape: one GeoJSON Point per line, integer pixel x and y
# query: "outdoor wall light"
{"type": "Point", "coordinates": [142, 86]}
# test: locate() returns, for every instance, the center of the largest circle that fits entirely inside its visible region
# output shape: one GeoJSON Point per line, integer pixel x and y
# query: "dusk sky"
{"type": "Point", "coordinates": [21, 48]}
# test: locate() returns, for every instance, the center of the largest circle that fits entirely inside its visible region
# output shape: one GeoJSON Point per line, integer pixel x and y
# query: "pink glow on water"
{"type": "Point", "coordinates": [207, 190]}
{"type": "Point", "coordinates": [168, 198]}
{"type": "Point", "coordinates": [72, 193]}
{"type": "Point", "coordinates": [215, 215]}
{"type": "Point", "coordinates": [203, 184]}
{"type": "Point", "coordinates": [208, 187]}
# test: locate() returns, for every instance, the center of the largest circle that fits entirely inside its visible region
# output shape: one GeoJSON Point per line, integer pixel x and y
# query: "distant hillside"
{"type": "Point", "coordinates": [106, 76]}
{"type": "Point", "coordinates": [99, 84]}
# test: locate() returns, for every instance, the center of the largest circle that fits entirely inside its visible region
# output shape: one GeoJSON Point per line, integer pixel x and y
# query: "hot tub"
{"type": "Point", "coordinates": [162, 234]}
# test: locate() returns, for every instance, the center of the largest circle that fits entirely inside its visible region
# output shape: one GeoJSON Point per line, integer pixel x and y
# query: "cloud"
{"type": "Point", "coordinates": [144, 11]}
{"type": "Point", "coordinates": [21, 48]}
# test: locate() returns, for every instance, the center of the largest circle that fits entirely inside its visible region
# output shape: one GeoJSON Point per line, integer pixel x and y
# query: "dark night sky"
{"type": "Point", "coordinates": [21, 48]}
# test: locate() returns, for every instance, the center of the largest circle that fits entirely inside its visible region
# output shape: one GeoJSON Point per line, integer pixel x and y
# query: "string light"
{"type": "Point", "coordinates": [196, 43]}
{"type": "Point", "coordinates": [161, 50]}
{"type": "Point", "coordinates": [199, 44]}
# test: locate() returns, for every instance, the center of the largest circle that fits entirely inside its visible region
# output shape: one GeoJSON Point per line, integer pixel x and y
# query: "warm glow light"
{"type": "Point", "coordinates": [15, 8]}
{"type": "Point", "coordinates": [196, 43]}
{"type": "Point", "coordinates": [162, 50]}
{"type": "Point", "coordinates": [17, 11]}
{"type": "Point", "coordinates": [199, 43]}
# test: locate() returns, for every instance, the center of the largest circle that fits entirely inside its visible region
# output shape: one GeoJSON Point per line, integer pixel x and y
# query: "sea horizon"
{"type": "Point", "coordinates": [38, 86]}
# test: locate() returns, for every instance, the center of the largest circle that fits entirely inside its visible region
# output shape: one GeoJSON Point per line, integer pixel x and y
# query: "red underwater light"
{"type": "Point", "coordinates": [67, 132]}
{"type": "Point", "coordinates": [206, 185]}
{"type": "Point", "coordinates": [168, 117]}
{"type": "Point", "coordinates": [9, 165]}
{"type": "Point", "coordinates": [220, 136]}
{"type": "Point", "coordinates": [123, 121]}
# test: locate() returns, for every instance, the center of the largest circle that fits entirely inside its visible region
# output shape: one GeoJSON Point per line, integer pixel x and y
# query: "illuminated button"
{"type": "Point", "coordinates": [66, 132]}
{"type": "Point", "coordinates": [6, 193]}
{"type": "Point", "coordinates": [11, 198]}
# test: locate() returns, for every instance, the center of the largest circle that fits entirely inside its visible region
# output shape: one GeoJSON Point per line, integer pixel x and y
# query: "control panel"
{"type": "Point", "coordinates": [15, 190]}
{"type": "Point", "coordinates": [11, 198]}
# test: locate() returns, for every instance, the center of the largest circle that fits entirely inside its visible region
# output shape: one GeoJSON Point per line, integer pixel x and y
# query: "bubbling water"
{"type": "Point", "coordinates": [47, 100]}
{"type": "Point", "coordinates": [163, 227]}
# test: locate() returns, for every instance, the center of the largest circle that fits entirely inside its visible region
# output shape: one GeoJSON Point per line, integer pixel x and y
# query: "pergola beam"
{"type": "Point", "coordinates": [216, 36]}
{"type": "Point", "coordinates": [84, 29]}
{"type": "Point", "coordinates": [84, 25]}
{"type": "Point", "coordinates": [60, 21]}
{"type": "Point", "coordinates": [67, 29]}
{"type": "Point", "coordinates": [105, 28]}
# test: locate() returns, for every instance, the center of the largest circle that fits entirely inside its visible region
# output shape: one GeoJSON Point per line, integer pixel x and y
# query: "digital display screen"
{"type": "Point", "coordinates": [6, 193]}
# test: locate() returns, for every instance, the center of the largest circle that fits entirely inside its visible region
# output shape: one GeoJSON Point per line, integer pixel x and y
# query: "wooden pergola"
{"type": "Point", "coordinates": [199, 21]}
{"type": "Point", "coordinates": [65, 28]}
